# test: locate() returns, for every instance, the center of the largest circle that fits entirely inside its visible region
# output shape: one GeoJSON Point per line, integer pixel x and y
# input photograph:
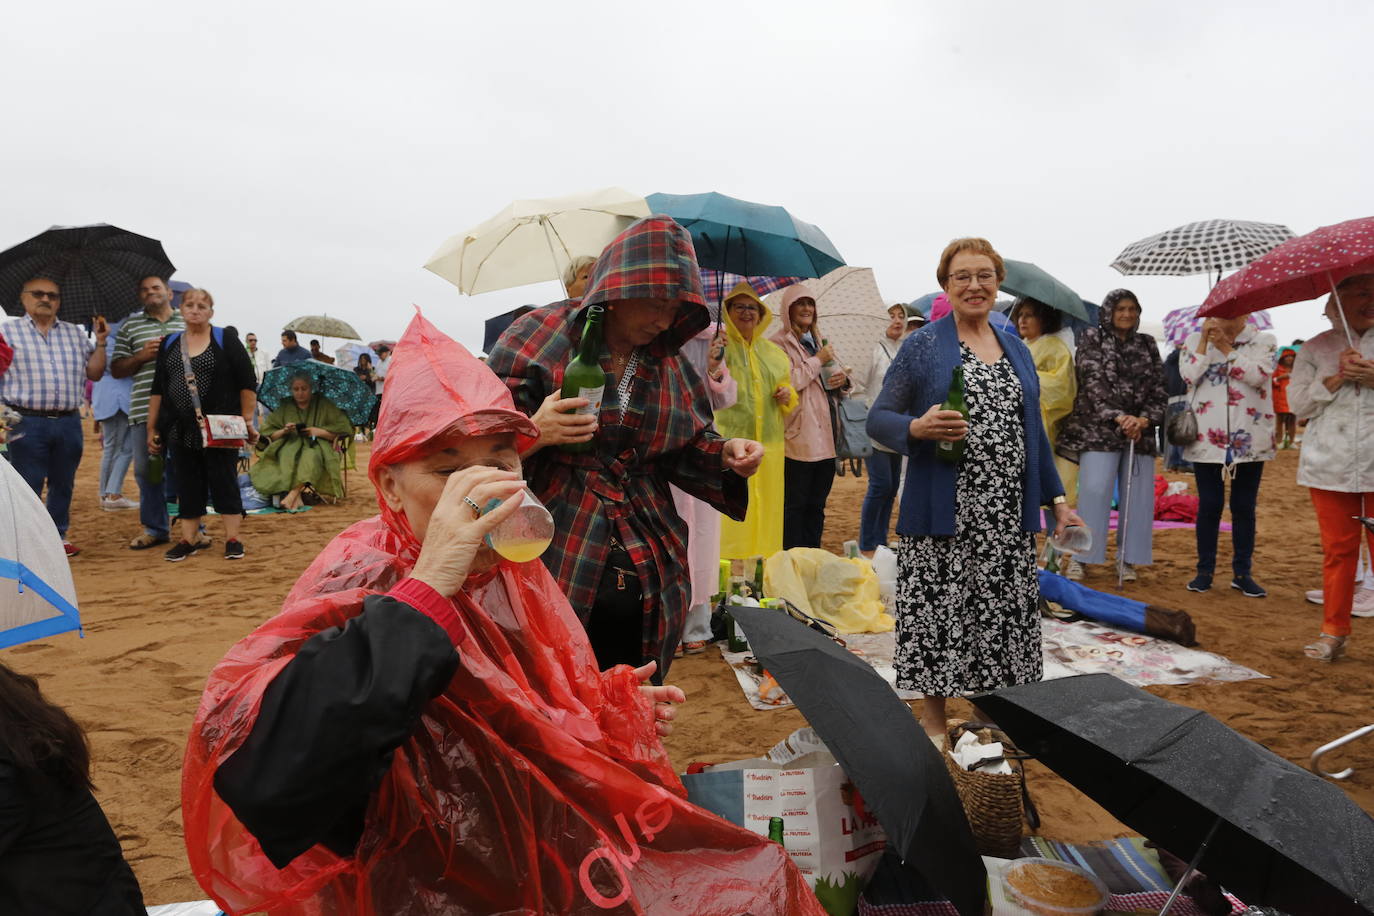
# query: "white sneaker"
{"type": "Point", "coordinates": [1315, 596]}
{"type": "Point", "coordinates": [1364, 603]}
{"type": "Point", "coordinates": [1127, 572]}
{"type": "Point", "coordinates": [1073, 570]}
{"type": "Point", "coordinates": [111, 503]}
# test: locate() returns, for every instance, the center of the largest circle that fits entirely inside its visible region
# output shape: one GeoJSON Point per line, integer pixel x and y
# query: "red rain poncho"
{"type": "Point", "coordinates": [534, 783]}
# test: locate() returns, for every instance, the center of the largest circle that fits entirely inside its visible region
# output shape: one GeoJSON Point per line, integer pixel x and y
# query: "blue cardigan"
{"type": "Point", "coordinates": [919, 378]}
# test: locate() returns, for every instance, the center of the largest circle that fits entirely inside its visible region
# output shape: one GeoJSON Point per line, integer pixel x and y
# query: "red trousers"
{"type": "Point", "coordinates": [1340, 552]}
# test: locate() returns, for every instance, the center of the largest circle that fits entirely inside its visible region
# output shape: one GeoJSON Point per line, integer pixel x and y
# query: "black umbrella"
{"type": "Point", "coordinates": [881, 748]}
{"type": "Point", "coordinates": [495, 327]}
{"type": "Point", "coordinates": [1267, 830]}
{"type": "Point", "coordinates": [98, 268]}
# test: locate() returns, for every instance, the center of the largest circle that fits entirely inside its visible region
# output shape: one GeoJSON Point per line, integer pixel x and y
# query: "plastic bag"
{"type": "Point", "coordinates": [885, 565]}
{"type": "Point", "coordinates": [534, 783]}
{"type": "Point", "coordinates": [841, 591]}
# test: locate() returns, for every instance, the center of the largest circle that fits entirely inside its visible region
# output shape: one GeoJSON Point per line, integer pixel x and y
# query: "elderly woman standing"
{"type": "Point", "coordinates": [1228, 367]}
{"type": "Point", "coordinates": [1120, 397]}
{"type": "Point", "coordinates": [1039, 327]}
{"type": "Point", "coordinates": [884, 465]}
{"type": "Point", "coordinates": [763, 400]}
{"type": "Point", "coordinates": [810, 465]}
{"type": "Point", "coordinates": [402, 736]}
{"type": "Point", "coordinates": [619, 557]}
{"type": "Point", "coordinates": [224, 383]}
{"type": "Point", "coordinates": [967, 615]}
{"type": "Point", "coordinates": [1330, 389]}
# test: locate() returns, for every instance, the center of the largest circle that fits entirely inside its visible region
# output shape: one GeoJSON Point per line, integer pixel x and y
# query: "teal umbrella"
{"type": "Point", "coordinates": [748, 238]}
{"type": "Point", "coordinates": [342, 386]}
{"type": "Point", "coordinates": [1028, 281]}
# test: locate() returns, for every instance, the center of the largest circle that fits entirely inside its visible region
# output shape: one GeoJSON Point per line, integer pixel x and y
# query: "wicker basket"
{"type": "Point", "coordinates": [993, 804]}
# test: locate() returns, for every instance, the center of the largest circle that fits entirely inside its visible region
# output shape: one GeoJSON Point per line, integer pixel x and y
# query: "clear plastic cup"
{"type": "Point", "coordinates": [1075, 539]}
{"type": "Point", "coordinates": [526, 534]}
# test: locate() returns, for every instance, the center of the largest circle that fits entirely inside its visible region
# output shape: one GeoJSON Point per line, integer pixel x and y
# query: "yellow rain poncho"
{"type": "Point", "coordinates": [758, 366]}
{"type": "Point", "coordinates": [1058, 386]}
{"type": "Point", "coordinates": [838, 590]}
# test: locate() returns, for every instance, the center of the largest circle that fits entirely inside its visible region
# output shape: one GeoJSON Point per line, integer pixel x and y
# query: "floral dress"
{"type": "Point", "coordinates": [968, 616]}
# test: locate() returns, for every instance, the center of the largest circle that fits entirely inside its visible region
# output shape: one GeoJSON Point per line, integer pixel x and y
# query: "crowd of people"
{"type": "Point", "coordinates": [151, 380]}
{"type": "Point", "coordinates": [344, 754]}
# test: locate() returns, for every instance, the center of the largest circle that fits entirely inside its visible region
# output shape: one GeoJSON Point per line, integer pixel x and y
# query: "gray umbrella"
{"type": "Point", "coordinates": [322, 325]}
{"type": "Point", "coordinates": [1271, 832]}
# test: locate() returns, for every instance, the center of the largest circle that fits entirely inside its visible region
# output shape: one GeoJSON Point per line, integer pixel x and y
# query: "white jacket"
{"type": "Point", "coordinates": [884, 351]}
{"type": "Point", "coordinates": [1338, 445]}
{"type": "Point", "coordinates": [1232, 396]}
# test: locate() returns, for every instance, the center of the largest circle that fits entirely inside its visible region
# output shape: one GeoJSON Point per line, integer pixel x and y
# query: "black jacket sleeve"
{"type": "Point", "coordinates": [327, 727]}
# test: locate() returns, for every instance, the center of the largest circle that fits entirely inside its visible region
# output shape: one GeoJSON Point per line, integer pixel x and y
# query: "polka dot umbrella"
{"type": "Point", "coordinates": [1300, 269]}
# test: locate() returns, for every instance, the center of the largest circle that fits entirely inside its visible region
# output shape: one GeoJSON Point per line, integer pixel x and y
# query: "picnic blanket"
{"type": "Point", "coordinates": [1130, 870]}
{"type": "Point", "coordinates": [1081, 647]}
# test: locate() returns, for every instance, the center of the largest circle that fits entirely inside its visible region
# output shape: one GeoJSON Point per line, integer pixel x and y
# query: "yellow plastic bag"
{"type": "Point", "coordinates": [840, 591]}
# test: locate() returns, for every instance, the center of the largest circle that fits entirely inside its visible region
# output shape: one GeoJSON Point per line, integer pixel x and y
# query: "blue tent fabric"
{"type": "Point", "coordinates": [1117, 610]}
{"type": "Point", "coordinates": [37, 595]}
{"type": "Point", "coordinates": [68, 618]}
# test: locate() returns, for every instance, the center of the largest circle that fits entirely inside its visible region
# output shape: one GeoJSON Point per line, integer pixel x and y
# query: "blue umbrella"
{"type": "Point", "coordinates": [342, 386]}
{"type": "Point", "coordinates": [748, 238]}
{"type": "Point", "coordinates": [37, 597]}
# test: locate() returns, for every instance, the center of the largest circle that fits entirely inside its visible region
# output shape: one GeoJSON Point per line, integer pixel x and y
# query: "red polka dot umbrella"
{"type": "Point", "coordinates": [1300, 269]}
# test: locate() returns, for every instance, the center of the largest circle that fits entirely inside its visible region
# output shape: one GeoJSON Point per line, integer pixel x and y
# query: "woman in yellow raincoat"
{"type": "Point", "coordinates": [1039, 324]}
{"type": "Point", "coordinates": [763, 374]}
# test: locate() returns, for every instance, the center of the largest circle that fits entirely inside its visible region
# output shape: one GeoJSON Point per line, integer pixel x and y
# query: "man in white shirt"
{"type": "Point", "coordinates": [261, 361]}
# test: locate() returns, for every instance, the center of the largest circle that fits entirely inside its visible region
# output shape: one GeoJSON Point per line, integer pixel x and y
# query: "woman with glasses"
{"type": "Point", "coordinates": [967, 596]}
{"type": "Point", "coordinates": [1120, 397]}
{"type": "Point", "coordinates": [619, 552]}
{"type": "Point", "coordinates": [763, 400]}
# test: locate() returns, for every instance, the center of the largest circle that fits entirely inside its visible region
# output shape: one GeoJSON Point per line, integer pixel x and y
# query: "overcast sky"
{"type": "Point", "coordinates": [300, 158]}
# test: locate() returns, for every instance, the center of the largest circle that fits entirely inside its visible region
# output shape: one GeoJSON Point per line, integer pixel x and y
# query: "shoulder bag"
{"type": "Point", "coordinates": [217, 430]}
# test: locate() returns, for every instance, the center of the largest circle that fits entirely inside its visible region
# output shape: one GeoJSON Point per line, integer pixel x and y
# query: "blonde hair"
{"type": "Point", "coordinates": [972, 245]}
{"type": "Point", "coordinates": [574, 268]}
{"type": "Point", "coordinates": [204, 292]}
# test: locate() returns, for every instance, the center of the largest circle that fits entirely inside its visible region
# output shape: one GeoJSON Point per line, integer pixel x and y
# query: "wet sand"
{"type": "Point", "coordinates": [154, 629]}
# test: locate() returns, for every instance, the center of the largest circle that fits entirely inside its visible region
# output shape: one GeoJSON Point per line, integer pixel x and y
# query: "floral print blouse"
{"type": "Point", "coordinates": [1231, 395]}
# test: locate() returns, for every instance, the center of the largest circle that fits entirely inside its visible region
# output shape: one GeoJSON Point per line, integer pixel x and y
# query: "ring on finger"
{"type": "Point", "coordinates": [476, 510]}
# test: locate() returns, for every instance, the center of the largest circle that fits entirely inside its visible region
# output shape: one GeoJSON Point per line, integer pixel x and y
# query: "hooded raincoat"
{"type": "Point", "coordinates": [1115, 377]}
{"type": "Point", "coordinates": [758, 366]}
{"type": "Point", "coordinates": [379, 749]}
{"type": "Point", "coordinates": [809, 434]}
{"type": "Point", "coordinates": [660, 435]}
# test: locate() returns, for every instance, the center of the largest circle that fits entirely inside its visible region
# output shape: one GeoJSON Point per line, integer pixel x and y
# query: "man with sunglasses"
{"type": "Point", "coordinates": [45, 385]}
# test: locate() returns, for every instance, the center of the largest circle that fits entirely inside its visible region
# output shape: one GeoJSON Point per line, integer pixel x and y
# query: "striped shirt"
{"type": "Point", "coordinates": [137, 330]}
{"type": "Point", "coordinates": [49, 371]}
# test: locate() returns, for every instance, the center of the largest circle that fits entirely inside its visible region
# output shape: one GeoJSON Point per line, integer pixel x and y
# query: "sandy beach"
{"type": "Point", "coordinates": [154, 629]}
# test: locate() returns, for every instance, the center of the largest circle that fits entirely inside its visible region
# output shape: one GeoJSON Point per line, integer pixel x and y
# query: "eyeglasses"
{"type": "Point", "coordinates": [44, 294]}
{"type": "Point", "coordinates": [744, 308]}
{"type": "Point", "coordinates": [964, 278]}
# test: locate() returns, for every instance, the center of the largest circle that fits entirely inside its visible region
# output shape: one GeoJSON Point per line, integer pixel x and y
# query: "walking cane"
{"type": "Point", "coordinates": [1123, 516]}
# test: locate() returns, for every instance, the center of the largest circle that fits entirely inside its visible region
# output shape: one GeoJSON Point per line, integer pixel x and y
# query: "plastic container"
{"type": "Point", "coordinates": [1052, 888]}
{"type": "Point", "coordinates": [526, 534]}
{"type": "Point", "coordinates": [1075, 539]}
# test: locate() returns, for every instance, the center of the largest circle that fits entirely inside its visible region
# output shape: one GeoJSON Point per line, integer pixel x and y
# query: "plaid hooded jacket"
{"type": "Point", "coordinates": [663, 435]}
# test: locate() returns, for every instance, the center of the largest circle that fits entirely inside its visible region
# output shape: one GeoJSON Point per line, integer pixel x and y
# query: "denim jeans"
{"type": "Point", "coordinates": [117, 454]}
{"type": "Point", "coordinates": [875, 519]}
{"type": "Point", "coordinates": [48, 450]}
{"type": "Point", "coordinates": [1211, 494]}
{"type": "Point", "coordinates": [152, 497]}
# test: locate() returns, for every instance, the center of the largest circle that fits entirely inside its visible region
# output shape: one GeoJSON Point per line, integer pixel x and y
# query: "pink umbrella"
{"type": "Point", "coordinates": [1300, 269]}
{"type": "Point", "coordinates": [1179, 323]}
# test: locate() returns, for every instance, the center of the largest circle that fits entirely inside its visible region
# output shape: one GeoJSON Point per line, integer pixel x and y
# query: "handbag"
{"type": "Point", "coordinates": [217, 430]}
{"type": "Point", "coordinates": [849, 426]}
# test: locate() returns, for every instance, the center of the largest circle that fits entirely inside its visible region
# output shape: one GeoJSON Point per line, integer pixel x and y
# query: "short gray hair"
{"type": "Point", "coordinates": [574, 268]}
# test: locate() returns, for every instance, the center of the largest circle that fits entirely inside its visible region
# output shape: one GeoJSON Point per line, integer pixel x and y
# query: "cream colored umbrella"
{"type": "Point", "coordinates": [322, 325]}
{"type": "Point", "coordinates": [534, 240]}
{"type": "Point", "coordinates": [851, 313]}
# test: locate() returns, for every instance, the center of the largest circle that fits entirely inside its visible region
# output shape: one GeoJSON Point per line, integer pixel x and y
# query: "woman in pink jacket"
{"type": "Point", "coordinates": [810, 466]}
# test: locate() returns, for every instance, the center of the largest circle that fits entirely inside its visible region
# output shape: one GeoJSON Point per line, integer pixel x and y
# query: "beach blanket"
{"type": "Point", "coordinates": [1162, 524]}
{"type": "Point", "coordinates": [1081, 647]}
{"type": "Point", "coordinates": [265, 510]}
{"type": "Point", "coordinates": [1130, 870]}
{"type": "Point", "coordinates": [194, 908]}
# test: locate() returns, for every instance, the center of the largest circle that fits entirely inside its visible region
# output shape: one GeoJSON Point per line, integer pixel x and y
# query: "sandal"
{"type": "Point", "coordinates": [1324, 651]}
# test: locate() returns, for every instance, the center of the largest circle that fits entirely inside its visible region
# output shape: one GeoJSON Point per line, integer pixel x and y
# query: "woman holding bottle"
{"type": "Point", "coordinates": [967, 595]}
{"type": "Point", "coordinates": [809, 436]}
{"type": "Point", "coordinates": [618, 552]}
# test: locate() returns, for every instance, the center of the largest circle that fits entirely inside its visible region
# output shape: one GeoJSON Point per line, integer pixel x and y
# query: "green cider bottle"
{"type": "Point", "coordinates": [758, 578]}
{"type": "Point", "coordinates": [775, 831]}
{"type": "Point", "coordinates": [953, 452]}
{"type": "Point", "coordinates": [584, 377]}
